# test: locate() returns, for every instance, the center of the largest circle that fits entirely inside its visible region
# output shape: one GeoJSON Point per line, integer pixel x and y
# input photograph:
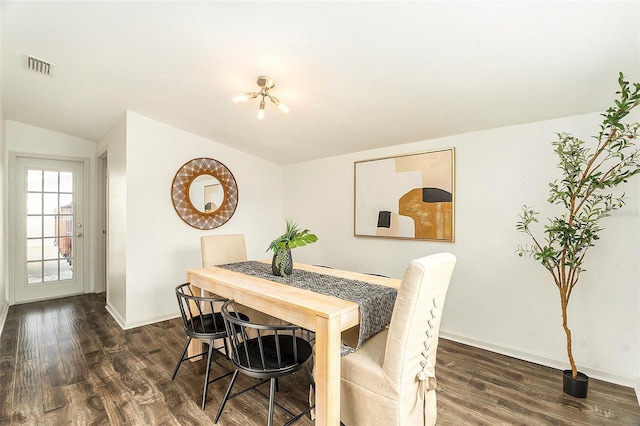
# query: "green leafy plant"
{"type": "Point", "coordinates": [292, 238]}
{"type": "Point", "coordinates": [585, 194]}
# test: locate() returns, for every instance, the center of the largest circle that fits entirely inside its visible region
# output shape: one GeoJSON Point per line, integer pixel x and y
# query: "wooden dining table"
{"type": "Point", "coordinates": [327, 316]}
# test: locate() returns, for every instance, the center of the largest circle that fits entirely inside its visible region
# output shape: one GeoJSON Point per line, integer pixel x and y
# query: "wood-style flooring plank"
{"type": "Point", "coordinates": [7, 376]}
{"type": "Point", "coordinates": [51, 372]}
{"type": "Point", "coordinates": [87, 404]}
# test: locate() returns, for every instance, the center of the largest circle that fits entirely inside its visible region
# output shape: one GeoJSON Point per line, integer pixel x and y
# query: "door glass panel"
{"type": "Point", "coordinates": [66, 182]}
{"type": "Point", "coordinates": [34, 226]}
{"type": "Point", "coordinates": [66, 203]}
{"type": "Point", "coordinates": [34, 203]}
{"type": "Point", "coordinates": [50, 181]}
{"type": "Point", "coordinates": [50, 203]}
{"type": "Point", "coordinates": [34, 180]}
{"type": "Point", "coordinates": [49, 226]}
{"type": "Point", "coordinates": [51, 270]}
{"type": "Point", "coordinates": [34, 249]}
{"type": "Point", "coordinates": [66, 272]}
{"type": "Point", "coordinates": [34, 272]}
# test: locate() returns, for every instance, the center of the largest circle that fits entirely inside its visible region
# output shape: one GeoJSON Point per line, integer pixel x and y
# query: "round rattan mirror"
{"type": "Point", "coordinates": [211, 186]}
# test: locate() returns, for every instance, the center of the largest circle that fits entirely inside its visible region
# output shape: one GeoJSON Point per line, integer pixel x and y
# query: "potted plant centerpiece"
{"type": "Point", "coordinates": [591, 173]}
{"type": "Point", "coordinates": [282, 263]}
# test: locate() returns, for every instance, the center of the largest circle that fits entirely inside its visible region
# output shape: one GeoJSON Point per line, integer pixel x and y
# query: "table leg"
{"type": "Point", "coordinates": [327, 371]}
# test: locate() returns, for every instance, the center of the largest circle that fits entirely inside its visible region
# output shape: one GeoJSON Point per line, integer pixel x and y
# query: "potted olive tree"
{"type": "Point", "coordinates": [585, 195]}
{"type": "Point", "coordinates": [282, 263]}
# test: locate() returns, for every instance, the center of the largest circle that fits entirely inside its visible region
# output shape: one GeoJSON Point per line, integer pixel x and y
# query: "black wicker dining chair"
{"type": "Point", "coordinates": [265, 352]}
{"type": "Point", "coordinates": [202, 320]}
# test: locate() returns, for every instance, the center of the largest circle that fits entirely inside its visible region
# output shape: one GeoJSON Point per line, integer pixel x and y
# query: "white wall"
{"type": "Point", "coordinates": [496, 300]}
{"type": "Point", "coordinates": [159, 246]}
{"type": "Point", "coordinates": [115, 143]}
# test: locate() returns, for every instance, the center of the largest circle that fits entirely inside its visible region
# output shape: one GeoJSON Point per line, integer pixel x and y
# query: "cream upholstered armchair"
{"type": "Point", "coordinates": [390, 380]}
{"type": "Point", "coordinates": [222, 249]}
{"type": "Point", "coordinates": [231, 248]}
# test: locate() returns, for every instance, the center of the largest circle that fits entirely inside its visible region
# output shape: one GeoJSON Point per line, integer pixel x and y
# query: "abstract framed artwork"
{"type": "Point", "coordinates": [408, 196]}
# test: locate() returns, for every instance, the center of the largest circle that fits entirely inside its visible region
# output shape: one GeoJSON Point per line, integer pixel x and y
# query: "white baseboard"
{"type": "Point", "coordinates": [3, 317]}
{"type": "Point", "coordinates": [561, 364]}
{"type": "Point", "coordinates": [116, 316]}
{"type": "Point", "coordinates": [126, 325]}
{"type": "Point", "coordinates": [147, 321]}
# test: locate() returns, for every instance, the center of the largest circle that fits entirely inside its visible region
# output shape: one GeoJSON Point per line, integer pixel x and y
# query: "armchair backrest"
{"type": "Point", "coordinates": [201, 315]}
{"type": "Point", "coordinates": [415, 323]}
{"type": "Point", "coordinates": [264, 350]}
{"type": "Point", "coordinates": [223, 249]}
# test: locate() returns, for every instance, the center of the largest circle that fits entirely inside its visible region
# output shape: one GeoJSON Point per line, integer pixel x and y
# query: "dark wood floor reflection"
{"type": "Point", "coordinates": [66, 361]}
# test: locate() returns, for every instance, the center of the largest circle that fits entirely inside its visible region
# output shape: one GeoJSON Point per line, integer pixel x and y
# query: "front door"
{"type": "Point", "coordinates": [47, 232]}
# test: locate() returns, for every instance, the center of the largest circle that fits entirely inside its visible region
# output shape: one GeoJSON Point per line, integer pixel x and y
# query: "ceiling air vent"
{"type": "Point", "coordinates": [39, 65]}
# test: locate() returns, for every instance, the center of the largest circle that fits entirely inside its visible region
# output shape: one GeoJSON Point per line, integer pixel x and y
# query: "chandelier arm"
{"type": "Point", "coordinates": [282, 107]}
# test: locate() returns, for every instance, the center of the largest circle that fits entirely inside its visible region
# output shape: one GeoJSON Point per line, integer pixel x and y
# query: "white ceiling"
{"type": "Point", "coordinates": [356, 75]}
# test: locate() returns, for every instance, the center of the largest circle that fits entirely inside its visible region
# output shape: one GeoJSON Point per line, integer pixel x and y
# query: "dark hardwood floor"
{"type": "Point", "coordinates": [67, 362]}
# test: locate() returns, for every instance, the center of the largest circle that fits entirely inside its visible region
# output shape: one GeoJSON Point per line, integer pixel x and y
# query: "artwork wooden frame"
{"type": "Point", "coordinates": [407, 196]}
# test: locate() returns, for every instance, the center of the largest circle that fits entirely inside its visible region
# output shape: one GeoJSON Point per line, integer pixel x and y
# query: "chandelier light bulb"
{"type": "Point", "coordinates": [261, 110]}
{"type": "Point", "coordinates": [241, 98]}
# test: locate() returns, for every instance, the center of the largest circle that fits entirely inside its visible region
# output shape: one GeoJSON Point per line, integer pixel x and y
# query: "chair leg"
{"type": "Point", "coordinates": [184, 351]}
{"type": "Point", "coordinates": [226, 396]}
{"type": "Point", "coordinates": [312, 381]}
{"type": "Point", "coordinates": [272, 389]}
{"type": "Point", "coordinates": [226, 348]}
{"type": "Point", "coordinates": [206, 377]}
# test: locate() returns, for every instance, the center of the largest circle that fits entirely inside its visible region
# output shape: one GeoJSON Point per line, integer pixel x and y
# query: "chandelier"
{"type": "Point", "coordinates": [266, 83]}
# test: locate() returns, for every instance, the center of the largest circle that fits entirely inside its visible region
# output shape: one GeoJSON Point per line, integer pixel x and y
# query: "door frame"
{"type": "Point", "coordinates": [88, 284]}
{"type": "Point", "coordinates": [102, 223]}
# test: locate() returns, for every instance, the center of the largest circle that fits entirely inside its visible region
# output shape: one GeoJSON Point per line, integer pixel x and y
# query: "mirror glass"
{"type": "Point", "coordinates": [206, 193]}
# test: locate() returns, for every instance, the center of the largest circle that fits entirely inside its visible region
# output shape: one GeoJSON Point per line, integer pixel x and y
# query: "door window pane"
{"type": "Point", "coordinates": [34, 226]}
{"type": "Point", "coordinates": [50, 181]}
{"type": "Point", "coordinates": [49, 223]}
{"type": "Point", "coordinates": [34, 272]}
{"type": "Point", "coordinates": [51, 270]}
{"type": "Point", "coordinates": [34, 249]}
{"type": "Point", "coordinates": [66, 273]}
{"type": "Point", "coordinates": [66, 182]}
{"type": "Point", "coordinates": [34, 180]}
{"type": "Point", "coordinates": [34, 203]}
{"type": "Point", "coordinates": [50, 203]}
{"type": "Point", "coordinates": [66, 203]}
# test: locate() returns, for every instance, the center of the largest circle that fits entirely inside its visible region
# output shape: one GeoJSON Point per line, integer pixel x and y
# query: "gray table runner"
{"type": "Point", "coordinates": [375, 301]}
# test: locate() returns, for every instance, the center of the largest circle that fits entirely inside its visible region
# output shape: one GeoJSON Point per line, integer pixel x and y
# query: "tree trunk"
{"type": "Point", "coordinates": [574, 369]}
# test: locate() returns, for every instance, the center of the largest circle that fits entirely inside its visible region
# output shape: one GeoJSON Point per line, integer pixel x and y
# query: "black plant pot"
{"type": "Point", "coordinates": [282, 262]}
{"type": "Point", "coordinates": [575, 387]}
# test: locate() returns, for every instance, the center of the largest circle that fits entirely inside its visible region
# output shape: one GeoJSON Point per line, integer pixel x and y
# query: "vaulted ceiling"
{"type": "Point", "coordinates": [355, 75]}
